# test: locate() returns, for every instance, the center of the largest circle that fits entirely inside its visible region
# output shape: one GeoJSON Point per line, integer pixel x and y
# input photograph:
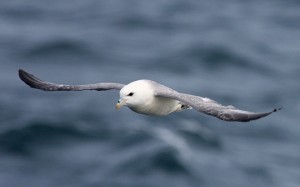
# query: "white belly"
{"type": "Point", "coordinates": [157, 106]}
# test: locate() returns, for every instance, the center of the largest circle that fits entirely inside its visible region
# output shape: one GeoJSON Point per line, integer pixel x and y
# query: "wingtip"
{"type": "Point", "coordinates": [22, 75]}
{"type": "Point", "coordinates": [277, 109]}
{"type": "Point", "coordinates": [28, 78]}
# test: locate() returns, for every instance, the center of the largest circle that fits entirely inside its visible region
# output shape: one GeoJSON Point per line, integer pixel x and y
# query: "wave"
{"type": "Point", "coordinates": [26, 139]}
{"type": "Point", "coordinates": [58, 47]}
{"type": "Point", "coordinates": [164, 159]}
{"type": "Point", "coordinates": [219, 57]}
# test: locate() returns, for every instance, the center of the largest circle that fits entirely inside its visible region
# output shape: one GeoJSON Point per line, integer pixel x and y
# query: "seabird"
{"type": "Point", "coordinates": [151, 98]}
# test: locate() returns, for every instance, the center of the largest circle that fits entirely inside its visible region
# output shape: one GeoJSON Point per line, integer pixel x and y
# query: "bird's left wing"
{"type": "Point", "coordinates": [35, 82]}
{"type": "Point", "coordinates": [208, 106]}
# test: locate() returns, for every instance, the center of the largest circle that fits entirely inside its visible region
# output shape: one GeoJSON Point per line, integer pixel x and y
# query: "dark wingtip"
{"type": "Point", "coordinates": [21, 73]}
{"type": "Point", "coordinates": [23, 76]}
{"type": "Point", "coordinates": [277, 109]}
{"type": "Point", "coordinates": [29, 79]}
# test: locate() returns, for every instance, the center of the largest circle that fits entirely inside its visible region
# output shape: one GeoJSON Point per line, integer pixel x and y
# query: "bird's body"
{"type": "Point", "coordinates": [143, 100]}
{"type": "Point", "coordinates": [158, 106]}
{"type": "Point", "coordinates": [151, 98]}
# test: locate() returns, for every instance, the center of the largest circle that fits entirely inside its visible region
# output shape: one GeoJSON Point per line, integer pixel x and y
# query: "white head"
{"type": "Point", "coordinates": [136, 95]}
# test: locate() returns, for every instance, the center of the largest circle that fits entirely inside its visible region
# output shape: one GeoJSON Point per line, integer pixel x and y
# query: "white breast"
{"type": "Point", "coordinates": [157, 106]}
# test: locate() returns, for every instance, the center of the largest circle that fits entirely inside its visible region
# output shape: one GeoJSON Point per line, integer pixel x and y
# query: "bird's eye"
{"type": "Point", "coordinates": [130, 94]}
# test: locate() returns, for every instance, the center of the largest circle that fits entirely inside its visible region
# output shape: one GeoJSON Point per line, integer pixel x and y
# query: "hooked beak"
{"type": "Point", "coordinates": [120, 103]}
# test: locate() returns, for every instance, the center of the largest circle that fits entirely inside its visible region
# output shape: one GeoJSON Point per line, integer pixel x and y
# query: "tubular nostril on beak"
{"type": "Point", "coordinates": [120, 103]}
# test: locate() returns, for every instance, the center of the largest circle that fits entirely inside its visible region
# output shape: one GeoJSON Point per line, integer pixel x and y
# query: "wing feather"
{"type": "Point", "coordinates": [37, 83]}
{"type": "Point", "coordinates": [210, 107]}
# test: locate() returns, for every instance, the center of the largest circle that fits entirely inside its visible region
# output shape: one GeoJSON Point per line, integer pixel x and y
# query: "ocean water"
{"type": "Point", "coordinates": [241, 53]}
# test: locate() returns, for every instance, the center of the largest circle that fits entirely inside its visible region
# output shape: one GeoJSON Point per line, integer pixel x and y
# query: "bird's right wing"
{"type": "Point", "coordinates": [35, 82]}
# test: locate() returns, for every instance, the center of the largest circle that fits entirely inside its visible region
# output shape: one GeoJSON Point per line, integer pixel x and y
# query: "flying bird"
{"type": "Point", "coordinates": [151, 98]}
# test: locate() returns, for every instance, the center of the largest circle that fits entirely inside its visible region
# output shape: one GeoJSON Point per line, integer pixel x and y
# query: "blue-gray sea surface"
{"type": "Point", "coordinates": [241, 53]}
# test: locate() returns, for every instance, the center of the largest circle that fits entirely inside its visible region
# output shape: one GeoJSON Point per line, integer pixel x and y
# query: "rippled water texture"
{"type": "Point", "coordinates": [241, 53]}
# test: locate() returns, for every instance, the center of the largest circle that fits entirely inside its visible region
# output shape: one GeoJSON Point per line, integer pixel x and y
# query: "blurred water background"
{"type": "Point", "coordinates": [244, 53]}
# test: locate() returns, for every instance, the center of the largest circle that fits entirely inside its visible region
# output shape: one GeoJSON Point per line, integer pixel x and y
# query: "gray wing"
{"type": "Point", "coordinates": [34, 82]}
{"type": "Point", "coordinates": [210, 107]}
